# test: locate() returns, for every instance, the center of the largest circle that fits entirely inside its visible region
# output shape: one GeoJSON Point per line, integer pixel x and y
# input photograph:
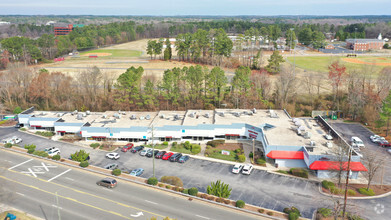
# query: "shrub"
{"type": "Point", "coordinates": [269, 213]}
{"type": "Point", "coordinates": [17, 110]}
{"type": "Point", "coordinates": [251, 155]}
{"type": "Point", "coordinates": [30, 146]}
{"type": "Point", "coordinates": [336, 190]}
{"type": "Point", "coordinates": [211, 198]}
{"type": "Point", "coordinates": [174, 144]}
{"type": "Point", "coordinates": [23, 129]}
{"type": "Point", "coordinates": [160, 184]}
{"type": "Point", "coordinates": [168, 187]}
{"type": "Point", "coordinates": [351, 192]}
{"type": "Point", "coordinates": [240, 203]}
{"type": "Point", "coordinates": [185, 191]}
{"type": "Point", "coordinates": [353, 217]}
{"type": "Point", "coordinates": [30, 150]}
{"type": "Point", "coordinates": [219, 189]}
{"type": "Point", "coordinates": [195, 148]}
{"type": "Point", "coordinates": [260, 161]}
{"type": "Point", "coordinates": [299, 172]}
{"type": "Point", "coordinates": [187, 145]}
{"type": "Point", "coordinates": [293, 213]}
{"type": "Point", "coordinates": [80, 156]}
{"type": "Point", "coordinates": [40, 153]}
{"type": "Point", "coordinates": [325, 212]}
{"type": "Point", "coordinates": [94, 145]}
{"type": "Point", "coordinates": [45, 133]}
{"type": "Point", "coordinates": [8, 145]}
{"type": "Point", "coordinates": [293, 216]}
{"type": "Point", "coordinates": [364, 191]}
{"type": "Point", "coordinates": [283, 171]}
{"type": "Point", "coordinates": [215, 143]}
{"type": "Point", "coordinates": [261, 210]}
{"type": "Point", "coordinates": [56, 157]}
{"type": "Point", "coordinates": [227, 201]}
{"type": "Point", "coordinates": [165, 143]}
{"type": "Point", "coordinates": [116, 172]}
{"type": "Point", "coordinates": [241, 158]}
{"type": "Point", "coordinates": [219, 200]}
{"type": "Point", "coordinates": [153, 181]}
{"type": "Point", "coordinates": [84, 164]}
{"type": "Point", "coordinates": [327, 184]}
{"type": "Point", "coordinates": [172, 180]}
{"type": "Point", "coordinates": [193, 191]}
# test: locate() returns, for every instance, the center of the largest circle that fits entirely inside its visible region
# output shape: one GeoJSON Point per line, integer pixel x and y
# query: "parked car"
{"type": "Point", "coordinates": [357, 143]}
{"type": "Point", "coordinates": [167, 155]}
{"type": "Point", "coordinates": [145, 151]}
{"type": "Point", "coordinates": [175, 157]}
{"type": "Point", "coordinates": [49, 149]}
{"type": "Point", "coordinates": [374, 138]}
{"type": "Point", "coordinates": [107, 182]}
{"type": "Point", "coordinates": [151, 153]}
{"type": "Point", "coordinates": [16, 140]}
{"type": "Point", "coordinates": [137, 149]}
{"type": "Point", "coordinates": [137, 172]}
{"type": "Point", "coordinates": [183, 159]}
{"type": "Point", "coordinates": [247, 169]}
{"type": "Point", "coordinates": [111, 166]}
{"type": "Point", "coordinates": [53, 152]}
{"type": "Point", "coordinates": [160, 154]}
{"type": "Point", "coordinates": [127, 147]}
{"type": "Point", "coordinates": [389, 151]}
{"type": "Point", "coordinates": [237, 168]}
{"type": "Point", "coordinates": [113, 156]}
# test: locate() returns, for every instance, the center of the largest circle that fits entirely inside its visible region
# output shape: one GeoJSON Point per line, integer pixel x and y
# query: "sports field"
{"type": "Point", "coordinates": [112, 53]}
{"type": "Point", "coordinates": [321, 63]}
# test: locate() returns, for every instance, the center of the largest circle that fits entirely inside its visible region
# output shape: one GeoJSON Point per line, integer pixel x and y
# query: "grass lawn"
{"type": "Point", "coordinates": [116, 52]}
{"type": "Point", "coordinates": [321, 63]}
{"type": "Point", "coordinates": [157, 146]}
{"type": "Point", "coordinates": [180, 149]}
{"type": "Point", "coordinates": [19, 215]}
{"type": "Point", "coordinates": [216, 153]}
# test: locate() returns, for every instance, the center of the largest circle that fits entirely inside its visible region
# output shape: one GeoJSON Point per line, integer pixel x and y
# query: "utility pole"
{"type": "Point", "coordinates": [347, 182]}
{"type": "Point", "coordinates": [253, 150]}
{"type": "Point", "coordinates": [153, 151]}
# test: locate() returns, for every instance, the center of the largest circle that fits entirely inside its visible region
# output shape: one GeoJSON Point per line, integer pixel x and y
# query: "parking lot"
{"type": "Point", "coordinates": [347, 130]}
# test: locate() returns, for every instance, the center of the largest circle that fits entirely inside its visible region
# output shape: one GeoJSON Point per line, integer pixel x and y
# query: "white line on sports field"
{"type": "Point", "coordinates": [151, 202]}
{"type": "Point", "coordinates": [21, 194]}
{"type": "Point", "coordinates": [20, 164]}
{"type": "Point", "coordinates": [66, 171]}
{"type": "Point", "coordinates": [202, 216]}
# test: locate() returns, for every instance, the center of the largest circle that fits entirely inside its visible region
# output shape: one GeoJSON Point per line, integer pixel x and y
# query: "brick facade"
{"type": "Point", "coordinates": [364, 44]}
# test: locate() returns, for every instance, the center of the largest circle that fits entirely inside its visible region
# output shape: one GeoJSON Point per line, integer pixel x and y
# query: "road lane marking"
{"type": "Point", "coordinates": [46, 166]}
{"type": "Point", "coordinates": [60, 175]}
{"type": "Point", "coordinates": [151, 202]}
{"type": "Point", "coordinates": [74, 200]}
{"type": "Point", "coordinates": [21, 194]}
{"type": "Point", "coordinates": [99, 197]}
{"type": "Point", "coordinates": [137, 215]}
{"type": "Point", "coordinates": [32, 172]}
{"type": "Point", "coordinates": [57, 207]}
{"type": "Point", "coordinates": [202, 217]}
{"type": "Point", "coordinates": [69, 179]}
{"type": "Point", "coordinates": [20, 164]}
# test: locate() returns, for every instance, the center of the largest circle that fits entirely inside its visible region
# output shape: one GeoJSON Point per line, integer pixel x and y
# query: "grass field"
{"type": "Point", "coordinates": [321, 63]}
{"type": "Point", "coordinates": [115, 52]}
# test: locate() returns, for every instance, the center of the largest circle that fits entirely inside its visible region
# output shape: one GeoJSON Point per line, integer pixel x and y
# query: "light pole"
{"type": "Point", "coordinates": [347, 182]}
{"type": "Point", "coordinates": [153, 150]}
{"type": "Point", "coordinates": [253, 150]}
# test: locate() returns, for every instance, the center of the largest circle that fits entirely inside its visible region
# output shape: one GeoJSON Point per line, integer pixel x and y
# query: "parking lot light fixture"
{"type": "Point", "coordinates": [153, 149]}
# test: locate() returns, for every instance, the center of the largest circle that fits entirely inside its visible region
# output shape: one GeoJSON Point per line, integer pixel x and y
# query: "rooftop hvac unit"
{"type": "Point", "coordinates": [298, 123]}
{"type": "Point", "coordinates": [250, 113]}
{"type": "Point", "coordinates": [60, 114]}
{"type": "Point", "coordinates": [176, 117]}
{"type": "Point", "coordinates": [161, 116]}
{"type": "Point", "coordinates": [133, 117]}
{"type": "Point", "coordinates": [254, 110]}
{"type": "Point", "coordinates": [191, 115]}
{"type": "Point", "coordinates": [88, 112]}
{"type": "Point", "coordinates": [79, 116]}
{"type": "Point", "coordinates": [84, 114]}
{"type": "Point", "coordinates": [237, 114]}
{"type": "Point", "coordinates": [312, 143]}
{"type": "Point", "coordinates": [307, 135]}
{"type": "Point", "coordinates": [207, 115]}
{"type": "Point", "coordinates": [148, 117]}
{"type": "Point", "coordinates": [104, 116]}
{"type": "Point", "coordinates": [221, 114]}
{"type": "Point", "coordinates": [118, 116]}
{"type": "Point", "coordinates": [142, 117]}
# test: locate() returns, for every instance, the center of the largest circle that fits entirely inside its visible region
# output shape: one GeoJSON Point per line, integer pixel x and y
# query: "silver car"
{"type": "Point", "coordinates": [145, 151]}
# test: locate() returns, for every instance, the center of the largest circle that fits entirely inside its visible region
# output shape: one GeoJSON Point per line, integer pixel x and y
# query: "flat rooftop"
{"type": "Point", "coordinates": [124, 119]}
{"type": "Point", "coordinates": [196, 117]}
{"type": "Point", "coordinates": [169, 118]}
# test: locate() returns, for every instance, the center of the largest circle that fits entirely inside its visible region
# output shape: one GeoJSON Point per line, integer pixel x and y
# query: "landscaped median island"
{"type": "Point", "coordinates": [354, 190]}
{"type": "Point", "coordinates": [299, 172]}
{"type": "Point", "coordinates": [218, 149]}
{"type": "Point", "coordinates": [186, 148]}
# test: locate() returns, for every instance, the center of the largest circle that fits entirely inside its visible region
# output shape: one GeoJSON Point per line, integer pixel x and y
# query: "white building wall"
{"type": "Point", "coordinates": [68, 129]}
{"type": "Point", "coordinates": [291, 163]}
{"type": "Point", "coordinates": [46, 124]}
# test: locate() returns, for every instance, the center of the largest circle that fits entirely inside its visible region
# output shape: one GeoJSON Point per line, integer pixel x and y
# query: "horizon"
{"type": "Point", "coordinates": [198, 8]}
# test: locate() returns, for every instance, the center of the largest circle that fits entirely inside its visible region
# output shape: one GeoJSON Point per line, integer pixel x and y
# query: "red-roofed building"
{"type": "Point", "coordinates": [287, 158]}
{"type": "Point", "coordinates": [328, 169]}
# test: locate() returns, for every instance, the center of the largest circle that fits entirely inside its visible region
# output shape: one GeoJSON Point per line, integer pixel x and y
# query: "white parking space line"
{"type": "Point", "coordinates": [66, 171]}
{"type": "Point", "coordinates": [151, 202]}
{"type": "Point", "coordinates": [202, 217]}
{"type": "Point", "coordinates": [57, 207]}
{"type": "Point", "coordinates": [20, 164]}
{"type": "Point", "coordinates": [69, 179]}
{"type": "Point", "coordinates": [32, 172]}
{"type": "Point", "coordinates": [21, 194]}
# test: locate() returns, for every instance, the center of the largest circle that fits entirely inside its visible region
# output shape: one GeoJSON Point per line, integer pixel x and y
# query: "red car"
{"type": "Point", "coordinates": [127, 147]}
{"type": "Point", "coordinates": [167, 155]}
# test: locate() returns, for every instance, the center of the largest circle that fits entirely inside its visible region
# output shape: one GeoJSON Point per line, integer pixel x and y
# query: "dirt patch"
{"type": "Point", "coordinates": [377, 189]}
{"type": "Point", "coordinates": [229, 146]}
{"type": "Point", "coordinates": [354, 60]}
{"type": "Point", "coordinates": [97, 54]}
{"type": "Point", "coordinates": [8, 123]}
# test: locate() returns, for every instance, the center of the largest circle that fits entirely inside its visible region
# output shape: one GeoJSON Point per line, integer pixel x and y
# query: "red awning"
{"type": "Point", "coordinates": [37, 126]}
{"type": "Point", "coordinates": [61, 131]}
{"type": "Point", "coordinates": [232, 135]}
{"type": "Point", "coordinates": [279, 154]}
{"type": "Point", "coordinates": [98, 137]}
{"type": "Point", "coordinates": [335, 165]}
{"type": "Point", "coordinates": [168, 136]}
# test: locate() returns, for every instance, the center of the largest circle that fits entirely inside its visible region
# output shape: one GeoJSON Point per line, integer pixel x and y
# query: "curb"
{"type": "Point", "coordinates": [354, 198]}
{"type": "Point", "coordinates": [147, 185]}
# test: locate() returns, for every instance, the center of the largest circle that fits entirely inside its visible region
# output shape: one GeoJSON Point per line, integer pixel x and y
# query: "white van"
{"type": "Point", "coordinates": [357, 143]}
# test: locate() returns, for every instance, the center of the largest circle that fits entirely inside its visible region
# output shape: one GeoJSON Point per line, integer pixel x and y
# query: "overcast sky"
{"type": "Point", "coordinates": [195, 7]}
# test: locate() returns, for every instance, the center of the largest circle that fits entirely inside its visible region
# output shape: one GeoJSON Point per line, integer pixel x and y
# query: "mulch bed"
{"type": "Point", "coordinates": [229, 146]}
{"type": "Point", "coordinates": [377, 189]}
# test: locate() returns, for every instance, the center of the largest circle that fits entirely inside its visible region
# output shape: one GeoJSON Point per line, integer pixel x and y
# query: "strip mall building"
{"type": "Point", "coordinates": [286, 142]}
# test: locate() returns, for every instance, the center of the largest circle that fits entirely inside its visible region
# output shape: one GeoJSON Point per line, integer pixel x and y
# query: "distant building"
{"type": "Point", "coordinates": [58, 31]}
{"type": "Point", "coordinates": [329, 47]}
{"type": "Point", "coordinates": [364, 44]}
{"type": "Point", "coordinates": [4, 22]}
{"type": "Point", "coordinates": [50, 23]}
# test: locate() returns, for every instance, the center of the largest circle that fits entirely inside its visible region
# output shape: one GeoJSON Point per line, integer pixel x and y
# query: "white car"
{"type": "Point", "coordinates": [389, 151]}
{"type": "Point", "coordinates": [53, 152]}
{"type": "Point", "coordinates": [16, 140]}
{"type": "Point", "coordinates": [113, 156]}
{"type": "Point", "coordinates": [49, 149]}
{"type": "Point", "coordinates": [247, 169]}
{"type": "Point", "coordinates": [237, 168]}
{"type": "Point", "coordinates": [357, 143]}
{"type": "Point", "coordinates": [375, 138]}
{"type": "Point", "coordinates": [145, 151]}
{"type": "Point", "coordinates": [328, 137]}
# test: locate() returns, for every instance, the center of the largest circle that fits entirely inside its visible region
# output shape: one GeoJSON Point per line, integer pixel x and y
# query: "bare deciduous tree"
{"type": "Point", "coordinates": [372, 162]}
{"type": "Point", "coordinates": [285, 86]}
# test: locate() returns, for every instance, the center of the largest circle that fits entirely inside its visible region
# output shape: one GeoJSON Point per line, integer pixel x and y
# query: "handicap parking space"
{"type": "Point", "coordinates": [40, 169]}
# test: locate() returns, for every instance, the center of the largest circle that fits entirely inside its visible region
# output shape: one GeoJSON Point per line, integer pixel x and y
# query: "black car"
{"type": "Point", "coordinates": [183, 159]}
{"type": "Point", "coordinates": [107, 182]}
{"type": "Point", "coordinates": [160, 154]}
{"type": "Point", "coordinates": [151, 153]}
{"type": "Point", "coordinates": [175, 157]}
{"type": "Point", "coordinates": [137, 149]}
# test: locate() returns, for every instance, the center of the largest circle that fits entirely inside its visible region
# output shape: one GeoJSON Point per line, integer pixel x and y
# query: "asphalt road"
{"type": "Point", "coordinates": [48, 190]}
{"type": "Point", "coordinates": [347, 130]}
{"type": "Point", "coordinates": [260, 188]}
